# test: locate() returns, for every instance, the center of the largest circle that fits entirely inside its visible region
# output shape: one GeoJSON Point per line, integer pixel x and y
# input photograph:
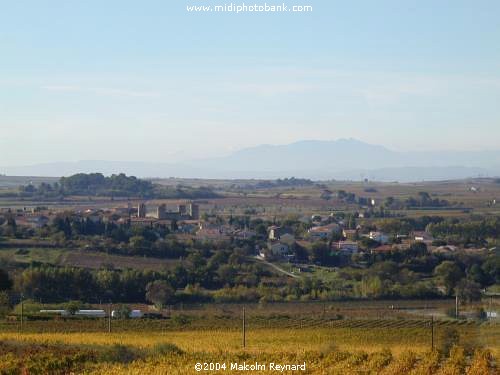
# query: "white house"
{"type": "Point", "coordinates": [379, 237]}
{"type": "Point", "coordinates": [274, 232]}
{"type": "Point", "coordinates": [422, 236]}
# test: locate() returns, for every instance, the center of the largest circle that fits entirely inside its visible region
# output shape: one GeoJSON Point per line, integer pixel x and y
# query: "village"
{"type": "Point", "coordinates": [186, 222]}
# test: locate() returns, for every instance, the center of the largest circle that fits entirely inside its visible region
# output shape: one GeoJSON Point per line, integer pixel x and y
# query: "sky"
{"type": "Point", "coordinates": [149, 81]}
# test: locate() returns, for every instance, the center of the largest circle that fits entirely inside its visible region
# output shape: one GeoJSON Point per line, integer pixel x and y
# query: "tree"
{"type": "Point", "coordinates": [5, 305]}
{"type": "Point", "coordinates": [492, 268]}
{"type": "Point", "coordinates": [159, 292]}
{"type": "Point", "coordinates": [300, 253]}
{"type": "Point", "coordinates": [468, 291]}
{"type": "Point", "coordinates": [449, 274]}
{"type": "Point", "coordinates": [477, 275]}
{"type": "Point", "coordinates": [227, 274]}
{"type": "Point", "coordinates": [174, 227]}
{"type": "Point", "coordinates": [122, 312]}
{"type": "Point", "coordinates": [73, 306]}
{"type": "Point", "coordinates": [261, 230]}
{"type": "Point", "coordinates": [139, 244]}
{"type": "Point", "coordinates": [319, 252]}
{"type": "Point", "coordinates": [5, 281]}
{"type": "Point", "coordinates": [417, 249]}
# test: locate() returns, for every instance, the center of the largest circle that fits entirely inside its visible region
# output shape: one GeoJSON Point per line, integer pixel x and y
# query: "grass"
{"type": "Point", "coordinates": [28, 255]}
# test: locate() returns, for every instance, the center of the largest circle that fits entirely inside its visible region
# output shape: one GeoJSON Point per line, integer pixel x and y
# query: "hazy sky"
{"type": "Point", "coordinates": [147, 80]}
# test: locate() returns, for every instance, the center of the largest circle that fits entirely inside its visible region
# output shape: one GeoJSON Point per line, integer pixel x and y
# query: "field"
{"type": "Point", "coordinates": [356, 337]}
{"type": "Point", "coordinates": [349, 337]}
{"type": "Point", "coordinates": [376, 346]}
{"type": "Point", "coordinates": [82, 258]}
{"type": "Point", "coordinates": [238, 196]}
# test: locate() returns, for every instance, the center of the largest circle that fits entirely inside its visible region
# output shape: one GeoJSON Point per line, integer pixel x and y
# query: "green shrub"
{"type": "Point", "coordinates": [120, 353]}
{"type": "Point", "coordinates": [166, 348]}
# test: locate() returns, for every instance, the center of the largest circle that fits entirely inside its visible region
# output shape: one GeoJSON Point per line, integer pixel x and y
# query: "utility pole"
{"type": "Point", "coordinates": [244, 328]}
{"type": "Point", "coordinates": [109, 318]}
{"type": "Point", "coordinates": [22, 312]}
{"type": "Point", "coordinates": [432, 332]}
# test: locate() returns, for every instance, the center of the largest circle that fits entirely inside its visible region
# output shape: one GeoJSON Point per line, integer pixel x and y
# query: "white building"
{"type": "Point", "coordinates": [379, 237]}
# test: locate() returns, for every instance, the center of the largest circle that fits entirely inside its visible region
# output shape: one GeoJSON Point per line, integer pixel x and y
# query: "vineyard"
{"type": "Point", "coordinates": [325, 345]}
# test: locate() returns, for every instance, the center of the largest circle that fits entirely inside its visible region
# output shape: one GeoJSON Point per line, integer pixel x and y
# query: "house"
{"type": "Point", "coordinates": [273, 233]}
{"type": "Point", "coordinates": [324, 231]}
{"type": "Point", "coordinates": [446, 249]}
{"type": "Point", "coordinates": [288, 239]}
{"type": "Point", "coordinates": [94, 217]}
{"type": "Point", "coordinates": [142, 222]}
{"type": "Point", "coordinates": [379, 237]}
{"type": "Point", "coordinates": [278, 249]}
{"type": "Point", "coordinates": [382, 249]}
{"type": "Point", "coordinates": [187, 227]}
{"type": "Point", "coordinates": [350, 234]}
{"type": "Point", "coordinates": [422, 236]}
{"type": "Point", "coordinates": [38, 221]}
{"type": "Point", "coordinates": [209, 234]}
{"type": "Point", "coordinates": [276, 232]}
{"type": "Point", "coordinates": [244, 234]}
{"type": "Point", "coordinates": [346, 247]}
{"type": "Point", "coordinates": [122, 210]}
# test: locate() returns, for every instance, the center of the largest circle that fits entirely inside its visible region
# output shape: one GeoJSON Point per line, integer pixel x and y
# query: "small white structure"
{"type": "Point", "coordinates": [421, 236]}
{"type": "Point", "coordinates": [274, 232]}
{"type": "Point", "coordinates": [491, 314]}
{"type": "Point", "coordinates": [379, 237]}
{"type": "Point", "coordinates": [134, 314]}
{"type": "Point", "coordinates": [91, 313]}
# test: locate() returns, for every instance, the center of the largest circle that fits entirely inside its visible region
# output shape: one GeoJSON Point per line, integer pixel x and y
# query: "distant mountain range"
{"type": "Point", "coordinates": [343, 159]}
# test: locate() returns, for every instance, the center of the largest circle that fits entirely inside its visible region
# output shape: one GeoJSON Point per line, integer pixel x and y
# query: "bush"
{"type": "Point", "coordinates": [166, 348]}
{"type": "Point", "coordinates": [449, 338]}
{"type": "Point", "coordinates": [5, 305]}
{"type": "Point", "coordinates": [180, 320]}
{"type": "Point", "coordinates": [120, 353]}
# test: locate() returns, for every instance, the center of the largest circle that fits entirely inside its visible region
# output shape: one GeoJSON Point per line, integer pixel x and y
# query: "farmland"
{"type": "Point", "coordinates": [387, 307]}
{"type": "Point", "coordinates": [80, 258]}
{"type": "Point", "coordinates": [327, 346]}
